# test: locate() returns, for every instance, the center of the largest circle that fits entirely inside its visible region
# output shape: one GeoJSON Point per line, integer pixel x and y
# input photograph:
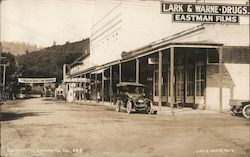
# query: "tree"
{"type": "Point", "coordinates": [13, 71]}
{"type": "Point", "coordinates": [54, 43]}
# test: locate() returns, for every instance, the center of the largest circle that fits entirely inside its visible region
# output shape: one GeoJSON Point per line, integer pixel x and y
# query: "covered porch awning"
{"type": "Point", "coordinates": [156, 48]}
{"type": "Point", "coordinates": [78, 80]}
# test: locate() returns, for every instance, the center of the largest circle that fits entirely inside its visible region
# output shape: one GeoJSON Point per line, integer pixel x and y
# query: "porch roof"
{"type": "Point", "coordinates": [146, 51]}
{"type": "Point", "coordinates": [154, 48]}
{"type": "Point", "coordinates": [83, 71]}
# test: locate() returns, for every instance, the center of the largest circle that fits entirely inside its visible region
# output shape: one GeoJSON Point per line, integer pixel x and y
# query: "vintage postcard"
{"type": "Point", "coordinates": [124, 78]}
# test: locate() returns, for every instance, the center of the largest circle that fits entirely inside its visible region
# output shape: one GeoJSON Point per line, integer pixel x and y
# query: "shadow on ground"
{"type": "Point", "coordinates": [6, 116]}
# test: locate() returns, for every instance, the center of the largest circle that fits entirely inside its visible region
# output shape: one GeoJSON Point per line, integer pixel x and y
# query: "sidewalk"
{"type": "Point", "coordinates": [188, 112]}
{"type": "Point", "coordinates": [165, 111]}
{"type": "Point", "coordinates": [105, 103]}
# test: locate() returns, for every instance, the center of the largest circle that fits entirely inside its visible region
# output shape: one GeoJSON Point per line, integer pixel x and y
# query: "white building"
{"type": "Point", "coordinates": [204, 65]}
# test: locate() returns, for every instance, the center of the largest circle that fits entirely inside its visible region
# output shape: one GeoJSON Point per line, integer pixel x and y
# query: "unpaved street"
{"type": "Point", "coordinates": [48, 128]}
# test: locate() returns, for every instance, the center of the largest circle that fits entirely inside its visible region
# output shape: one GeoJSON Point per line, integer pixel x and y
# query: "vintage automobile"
{"type": "Point", "coordinates": [240, 107]}
{"type": "Point", "coordinates": [131, 96]}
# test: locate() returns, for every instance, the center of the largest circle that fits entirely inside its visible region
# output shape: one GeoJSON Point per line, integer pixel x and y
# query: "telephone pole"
{"type": "Point", "coordinates": [4, 74]}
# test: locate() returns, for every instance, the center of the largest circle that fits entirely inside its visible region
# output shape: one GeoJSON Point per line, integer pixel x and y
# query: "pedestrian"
{"type": "Point", "coordinates": [98, 96]}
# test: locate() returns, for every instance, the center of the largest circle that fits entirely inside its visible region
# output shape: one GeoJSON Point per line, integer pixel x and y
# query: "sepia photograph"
{"type": "Point", "coordinates": [124, 78]}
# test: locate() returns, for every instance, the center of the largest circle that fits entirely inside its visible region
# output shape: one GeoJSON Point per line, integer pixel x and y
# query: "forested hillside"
{"type": "Point", "coordinates": [18, 48]}
{"type": "Point", "coordinates": [48, 62]}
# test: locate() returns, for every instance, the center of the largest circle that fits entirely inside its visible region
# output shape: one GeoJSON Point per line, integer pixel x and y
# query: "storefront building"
{"type": "Point", "coordinates": [203, 66]}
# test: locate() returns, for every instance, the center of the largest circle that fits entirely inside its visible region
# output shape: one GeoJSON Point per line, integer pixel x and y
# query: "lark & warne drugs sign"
{"type": "Point", "coordinates": [205, 13]}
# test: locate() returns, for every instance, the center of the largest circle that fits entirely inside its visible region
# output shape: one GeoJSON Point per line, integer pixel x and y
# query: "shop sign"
{"type": "Point", "coordinates": [79, 80]}
{"type": "Point", "coordinates": [36, 80]}
{"type": "Point", "coordinates": [205, 13]}
{"type": "Point", "coordinates": [156, 60]}
{"type": "Point", "coordinates": [205, 18]}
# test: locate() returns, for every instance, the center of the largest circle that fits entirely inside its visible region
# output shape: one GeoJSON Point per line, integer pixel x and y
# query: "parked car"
{"type": "Point", "coordinates": [131, 96]}
{"type": "Point", "coordinates": [240, 107]}
{"type": "Point", "coordinates": [60, 94]}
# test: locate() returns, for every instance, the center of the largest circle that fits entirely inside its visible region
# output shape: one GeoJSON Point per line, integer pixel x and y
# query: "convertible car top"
{"type": "Point", "coordinates": [122, 84]}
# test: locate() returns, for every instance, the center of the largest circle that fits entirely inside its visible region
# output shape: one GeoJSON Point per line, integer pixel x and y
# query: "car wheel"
{"type": "Point", "coordinates": [246, 111]}
{"type": "Point", "coordinates": [129, 107]}
{"type": "Point", "coordinates": [150, 109]}
{"type": "Point", "coordinates": [234, 110]}
{"type": "Point", "coordinates": [117, 106]}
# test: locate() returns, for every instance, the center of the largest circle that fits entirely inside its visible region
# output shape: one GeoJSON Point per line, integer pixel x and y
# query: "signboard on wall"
{"type": "Point", "coordinates": [205, 13]}
{"type": "Point", "coordinates": [36, 80]}
{"type": "Point", "coordinates": [156, 60]}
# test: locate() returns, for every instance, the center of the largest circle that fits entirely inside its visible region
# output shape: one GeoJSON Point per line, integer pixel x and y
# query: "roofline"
{"type": "Point", "coordinates": [153, 47]}
{"type": "Point", "coordinates": [85, 55]}
{"type": "Point", "coordinates": [85, 70]}
{"type": "Point", "coordinates": [169, 38]}
{"type": "Point", "coordinates": [147, 52]}
{"type": "Point", "coordinates": [163, 46]}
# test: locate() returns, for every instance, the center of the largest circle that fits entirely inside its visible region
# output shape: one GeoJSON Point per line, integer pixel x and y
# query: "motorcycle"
{"type": "Point", "coordinates": [241, 108]}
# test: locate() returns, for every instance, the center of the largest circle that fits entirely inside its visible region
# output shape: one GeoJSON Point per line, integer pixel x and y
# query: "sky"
{"type": "Point", "coordinates": [42, 22]}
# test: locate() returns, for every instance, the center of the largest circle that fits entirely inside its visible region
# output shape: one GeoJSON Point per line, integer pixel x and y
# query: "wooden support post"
{"type": "Point", "coordinates": [4, 75]}
{"type": "Point", "coordinates": [90, 77]}
{"type": "Point", "coordinates": [120, 72]}
{"type": "Point", "coordinates": [95, 86]}
{"type": "Point", "coordinates": [80, 92]}
{"type": "Point", "coordinates": [160, 81]}
{"type": "Point", "coordinates": [110, 84]}
{"type": "Point", "coordinates": [84, 86]}
{"type": "Point", "coordinates": [43, 88]}
{"type": "Point", "coordinates": [103, 86]}
{"type": "Point", "coordinates": [71, 86]}
{"type": "Point", "coordinates": [220, 82]}
{"type": "Point", "coordinates": [172, 79]}
{"type": "Point", "coordinates": [137, 70]}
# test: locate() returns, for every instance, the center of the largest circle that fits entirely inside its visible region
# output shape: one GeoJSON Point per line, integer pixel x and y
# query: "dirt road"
{"type": "Point", "coordinates": [48, 128]}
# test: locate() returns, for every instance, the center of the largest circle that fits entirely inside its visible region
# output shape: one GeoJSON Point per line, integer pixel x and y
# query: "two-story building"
{"type": "Point", "coordinates": [201, 65]}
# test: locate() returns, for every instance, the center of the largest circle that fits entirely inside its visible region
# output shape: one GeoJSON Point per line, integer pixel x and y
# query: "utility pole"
{"type": "Point", "coordinates": [4, 73]}
{"type": "Point", "coordinates": [0, 56]}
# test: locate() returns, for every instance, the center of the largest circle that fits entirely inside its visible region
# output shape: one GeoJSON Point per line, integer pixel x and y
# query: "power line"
{"type": "Point", "coordinates": [106, 15]}
{"type": "Point", "coordinates": [23, 27]}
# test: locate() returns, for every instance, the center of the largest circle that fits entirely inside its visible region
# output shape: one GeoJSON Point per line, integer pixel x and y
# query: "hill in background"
{"type": "Point", "coordinates": [18, 48]}
{"type": "Point", "coordinates": [48, 62]}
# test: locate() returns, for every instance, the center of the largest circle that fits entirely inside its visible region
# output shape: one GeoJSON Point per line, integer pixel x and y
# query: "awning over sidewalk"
{"type": "Point", "coordinates": [99, 71]}
{"type": "Point", "coordinates": [78, 80]}
{"type": "Point", "coordinates": [77, 89]}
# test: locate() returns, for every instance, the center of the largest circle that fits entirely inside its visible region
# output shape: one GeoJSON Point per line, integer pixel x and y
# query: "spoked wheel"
{"type": "Point", "coordinates": [234, 110]}
{"type": "Point", "coordinates": [150, 109]}
{"type": "Point", "coordinates": [129, 107]}
{"type": "Point", "coordinates": [246, 111]}
{"type": "Point", "coordinates": [117, 106]}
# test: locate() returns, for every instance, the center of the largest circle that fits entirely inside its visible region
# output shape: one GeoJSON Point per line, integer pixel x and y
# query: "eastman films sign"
{"type": "Point", "coordinates": [205, 13]}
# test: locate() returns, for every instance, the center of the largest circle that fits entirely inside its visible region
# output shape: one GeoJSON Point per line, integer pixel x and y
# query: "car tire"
{"type": "Point", "coordinates": [246, 111]}
{"type": "Point", "coordinates": [117, 106]}
{"type": "Point", "coordinates": [129, 107]}
{"type": "Point", "coordinates": [150, 109]}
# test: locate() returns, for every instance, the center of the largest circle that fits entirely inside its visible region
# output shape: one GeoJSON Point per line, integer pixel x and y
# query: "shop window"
{"type": "Point", "coordinates": [163, 85]}
{"type": "Point", "coordinates": [200, 80]}
{"type": "Point", "coordinates": [213, 57]}
{"type": "Point", "coordinates": [240, 56]}
{"type": "Point", "coordinates": [190, 81]}
{"type": "Point", "coordinates": [179, 81]}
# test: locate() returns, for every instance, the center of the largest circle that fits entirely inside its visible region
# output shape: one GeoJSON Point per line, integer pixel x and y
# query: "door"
{"type": "Point", "coordinates": [190, 79]}
{"type": "Point", "coordinates": [199, 83]}
{"type": "Point", "coordinates": [179, 84]}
